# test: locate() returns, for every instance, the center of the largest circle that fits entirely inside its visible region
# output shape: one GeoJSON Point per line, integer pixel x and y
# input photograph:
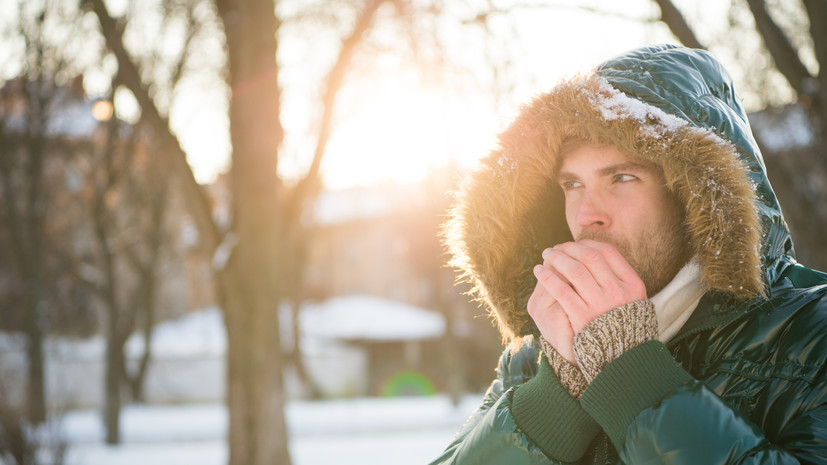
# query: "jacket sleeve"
{"type": "Point", "coordinates": [655, 412]}
{"type": "Point", "coordinates": [527, 417]}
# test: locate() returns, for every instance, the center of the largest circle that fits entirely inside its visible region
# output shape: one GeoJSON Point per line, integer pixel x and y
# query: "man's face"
{"type": "Point", "coordinates": [622, 200]}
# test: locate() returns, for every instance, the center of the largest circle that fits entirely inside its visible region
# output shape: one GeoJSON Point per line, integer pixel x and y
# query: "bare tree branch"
{"type": "Point", "coordinates": [817, 13]}
{"type": "Point", "coordinates": [673, 18]}
{"type": "Point", "coordinates": [192, 29]}
{"type": "Point", "coordinates": [782, 52]}
{"type": "Point", "coordinates": [310, 184]}
{"type": "Point", "coordinates": [128, 73]}
{"type": "Point", "coordinates": [492, 9]}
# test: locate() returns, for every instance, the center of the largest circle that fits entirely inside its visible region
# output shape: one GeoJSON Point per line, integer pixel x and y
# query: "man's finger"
{"type": "Point", "coordinates": [573, 271]}
{"type": "Point", "coordinates": [540, 299]}
{"type": "Point", "coordinates": [560, 290]}
{"type": "Point", "coordinates": [616, 261]}
{"type": "Point", "coordinates": [593, 260]}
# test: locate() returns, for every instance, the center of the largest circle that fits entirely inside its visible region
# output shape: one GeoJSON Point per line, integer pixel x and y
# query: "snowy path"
{"type": "Point", "coordinates": [359, 431]}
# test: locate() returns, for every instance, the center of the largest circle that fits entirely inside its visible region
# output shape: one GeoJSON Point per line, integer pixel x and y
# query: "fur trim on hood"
{"type": "Point", "coordinates": [511, 208]}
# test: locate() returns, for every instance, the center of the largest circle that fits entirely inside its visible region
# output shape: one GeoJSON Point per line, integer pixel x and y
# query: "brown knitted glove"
{"type": "Point", "coordinates": [569, 375]}
{"type": "Point", "coordinates": [613, 333]}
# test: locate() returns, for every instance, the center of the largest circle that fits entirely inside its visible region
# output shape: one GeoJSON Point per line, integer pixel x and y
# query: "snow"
{"type": "Point", "coordinates": [353, 317]}
{"type": "Point", "coordinates": [188, 353]}
{"type": "Point", "coordinates": [619, 105]}
{"type": "Point", "coordinates": [198, 333]}
{"type": "Point", "coordinates": [412, 430]}
{"type": "Point", "coordinates": [362, 317]}
{"type": "Point", "coordinates": [402, 430]}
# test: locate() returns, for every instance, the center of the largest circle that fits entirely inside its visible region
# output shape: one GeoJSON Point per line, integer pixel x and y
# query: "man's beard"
{"type": "Point", "coordinates": [656, 255]}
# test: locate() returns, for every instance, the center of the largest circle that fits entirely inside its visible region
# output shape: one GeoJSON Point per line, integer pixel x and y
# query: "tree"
{"type": "Point", "coordinates": [250, 259]}
{"type": "Point", "coordinates": [256, 259]}
{"type": "Point", "coordinates": [30, 139]}
{"type": "Point", "coordinates": [791, 48]}
{"type": "Point", "coordinates": [125, 197]}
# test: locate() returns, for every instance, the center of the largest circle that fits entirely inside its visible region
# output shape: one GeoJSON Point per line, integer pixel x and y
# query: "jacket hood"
{"type": "Point", "coordinates": [673, 106]}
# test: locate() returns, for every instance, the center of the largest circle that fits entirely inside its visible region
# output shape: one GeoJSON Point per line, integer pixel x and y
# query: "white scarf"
{"type": "Point", "coordinates": [676, 302]}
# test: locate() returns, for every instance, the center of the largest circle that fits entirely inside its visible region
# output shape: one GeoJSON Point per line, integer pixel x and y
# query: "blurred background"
{"type": "Point", "coordinates": [219, 219]}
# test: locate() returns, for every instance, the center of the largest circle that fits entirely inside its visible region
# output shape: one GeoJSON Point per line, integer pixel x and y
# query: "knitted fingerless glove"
{"type": "Point", "coordinates": [569, 375]}
{"type": "Point", "coordinates": [613, 333]}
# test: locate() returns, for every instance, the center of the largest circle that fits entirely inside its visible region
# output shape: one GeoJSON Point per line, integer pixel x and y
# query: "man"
{"type": "Point", "coordinates": [627, 241]}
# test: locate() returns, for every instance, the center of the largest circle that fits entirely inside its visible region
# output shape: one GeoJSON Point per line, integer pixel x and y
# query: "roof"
{"type": "Point", "coordinates": [362, 317]}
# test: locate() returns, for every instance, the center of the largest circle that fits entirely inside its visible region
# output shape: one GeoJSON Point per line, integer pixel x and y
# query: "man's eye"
{"type": "Point", "coordinates": [624, 178]}
{"type": "Point", "coordinates": [569, 185]}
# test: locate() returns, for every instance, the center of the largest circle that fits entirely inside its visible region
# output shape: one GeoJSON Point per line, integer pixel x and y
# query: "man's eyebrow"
{"type": "Point", "coordinates": [632, 166]}
{"type": "Point", "coordinates": [626, 166]}
{"type": "Point", "coordinates": [565, 176]}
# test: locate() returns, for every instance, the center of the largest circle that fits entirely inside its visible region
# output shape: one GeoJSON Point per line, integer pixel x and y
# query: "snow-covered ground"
{"type": "Point", "coordinates": [410, 430]}
{"type": "Point", "coordinates": [188, 353]}
{"type": "Point", "coordinates": [188, 368]}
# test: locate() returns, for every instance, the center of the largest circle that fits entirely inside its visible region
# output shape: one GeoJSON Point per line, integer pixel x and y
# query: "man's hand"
{"type": "Point", "coordinates": [584, 279]}
{"type": "Point", "coordinates": [550, 318]}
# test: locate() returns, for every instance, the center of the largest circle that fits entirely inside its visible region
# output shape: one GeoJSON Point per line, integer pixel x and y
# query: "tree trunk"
{"type": "Point", "coordinates": [136, 380]}
{"type": "Point", "coordinates": [817, 14]}
{"type": "Point", "coordinates": [296, 356]}
{"type": "Point", "coordinates": [148, 274]}
{"type": "Point", "coordinates": [112, 385]}
{"type": "Point", "coordinates": [255, 393]}
{"type": "Point", "coordinates": [781, 49]}
{"type": "Point", "coordinates": [28, 261]}
{"type": "Point", "coordinates": [673, 18]}
{"type": "Point", "coordinates": [251, 284]}
{"type": "Point", "coordinates": [36, 410]}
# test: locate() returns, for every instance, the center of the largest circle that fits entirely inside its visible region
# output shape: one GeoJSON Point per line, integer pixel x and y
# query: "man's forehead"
{"type": "Point", "coordinates": [601, 158]}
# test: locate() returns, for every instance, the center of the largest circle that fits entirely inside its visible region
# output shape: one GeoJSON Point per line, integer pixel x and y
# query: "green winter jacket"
{"type": "Point", "coordinates": [744, 380]}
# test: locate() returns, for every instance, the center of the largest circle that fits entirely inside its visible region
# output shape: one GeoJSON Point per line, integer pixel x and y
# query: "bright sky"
{"type": "Point", "coordinates": [401, 129]}
{"type": "Point", "coordinates": [390, 126]}
{"type": "Point", "coordinates": [393, 127]}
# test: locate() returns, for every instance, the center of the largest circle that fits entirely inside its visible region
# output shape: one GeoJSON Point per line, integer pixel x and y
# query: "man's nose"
{"type": "Point", "coordinates": [593, 211]}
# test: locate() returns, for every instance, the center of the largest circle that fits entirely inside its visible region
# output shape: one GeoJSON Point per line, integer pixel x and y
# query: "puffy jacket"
{"type": "Point", "coordinates": [744, 380]}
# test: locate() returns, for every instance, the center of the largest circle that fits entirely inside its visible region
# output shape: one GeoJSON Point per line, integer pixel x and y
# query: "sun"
{"type": "Point", "coordinates": [402, 135]}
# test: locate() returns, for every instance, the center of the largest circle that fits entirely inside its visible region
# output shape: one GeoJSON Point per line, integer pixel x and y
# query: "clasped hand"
{"type": "Point", "coordinates": [577, 282]}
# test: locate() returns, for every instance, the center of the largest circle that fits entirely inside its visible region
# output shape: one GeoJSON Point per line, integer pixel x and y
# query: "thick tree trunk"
{"type": "Point", "coordinates": [255, 393]}
{"type": "Point", "coordinates": [251, 284]}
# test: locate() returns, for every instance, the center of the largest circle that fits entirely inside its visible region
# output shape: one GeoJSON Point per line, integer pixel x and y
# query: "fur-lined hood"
{"type": "Point", "coordinates": [671, 105]}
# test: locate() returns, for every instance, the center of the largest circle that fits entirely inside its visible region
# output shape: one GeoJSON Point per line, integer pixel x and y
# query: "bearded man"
{"type": "Point", "coordinates": [626, 239]}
